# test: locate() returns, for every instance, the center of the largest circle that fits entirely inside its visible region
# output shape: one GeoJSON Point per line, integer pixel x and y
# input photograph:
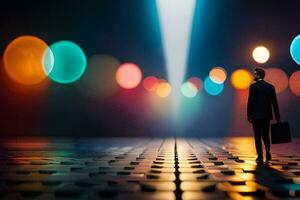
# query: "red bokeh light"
{"type": "Point", "coordinates": [295, 83]}
{"type": "Point", "coordinates": [150, 83]}
{"type": "Point", "coordinates": [278, 78]}
{"type": "Point", "coordinates": [197, 82]}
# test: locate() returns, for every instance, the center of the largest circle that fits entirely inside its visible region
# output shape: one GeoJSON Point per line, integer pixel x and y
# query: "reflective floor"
{"type": "Point", "coordinates": [136, 168]}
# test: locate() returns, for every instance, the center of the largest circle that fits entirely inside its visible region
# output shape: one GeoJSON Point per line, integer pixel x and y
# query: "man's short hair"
{"type": "Point", "coordinates": [260, 72]}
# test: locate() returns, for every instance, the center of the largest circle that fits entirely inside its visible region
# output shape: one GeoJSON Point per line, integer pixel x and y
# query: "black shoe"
{"type": "Point", "coordinates": [268, 156]}
{"type": "Point", "coordinates": [259, 159]}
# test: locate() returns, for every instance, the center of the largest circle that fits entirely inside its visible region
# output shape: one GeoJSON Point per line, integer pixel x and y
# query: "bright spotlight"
{"type": "Point", "coordinates": [176, 17]}
{"type": "Point", "coordinates": [261, 54]}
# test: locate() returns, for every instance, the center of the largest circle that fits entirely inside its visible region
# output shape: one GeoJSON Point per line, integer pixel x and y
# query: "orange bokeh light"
{"type": "Point", "coordinates": [241, 79]}
{"type": "Point", "coordinates": [161, 80]}
{"type": "Point", "coordinates": [23, 60]}
{"type": "Point", "coordinates": [197, 82]}
{"type": "Point", "coordinates": [163, 89]}
{"type": "Point", "coordinates": [278, 78]}
{"type": "Point", "coordinates": [218, 75]}
{"type": "Point", "coordinates": [150, 83]}
{"type": "Point", "coordinates": [295, 83]}
{"type": "Point", "coordinates": [128, 75]}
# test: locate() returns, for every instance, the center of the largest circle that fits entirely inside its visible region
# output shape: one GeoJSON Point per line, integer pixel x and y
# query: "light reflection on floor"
{"type": "Point", "coordinates": [146, 168]}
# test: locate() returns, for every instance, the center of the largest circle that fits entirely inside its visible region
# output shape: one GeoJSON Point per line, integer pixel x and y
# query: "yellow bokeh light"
{"type": "Point", "coordinates": [261, 54]}
{"type": "Point", "coordinates": [163, 89]}
{"type": "Point", "coordinates": [218, 75]}
{"type": "Point", "coordinates": [241, 79]}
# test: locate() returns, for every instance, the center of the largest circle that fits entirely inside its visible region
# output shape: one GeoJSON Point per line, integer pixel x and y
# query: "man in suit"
{"type": "Point", "coordinates": [262, 97]}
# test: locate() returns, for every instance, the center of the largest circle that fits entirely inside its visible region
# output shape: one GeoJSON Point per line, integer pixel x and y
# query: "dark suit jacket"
{"type": "Point", "coordinates": [262, 97]}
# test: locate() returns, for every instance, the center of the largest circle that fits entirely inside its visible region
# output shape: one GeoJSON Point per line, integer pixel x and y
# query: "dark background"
{"type": "Point", "coordinates": [224, 34]}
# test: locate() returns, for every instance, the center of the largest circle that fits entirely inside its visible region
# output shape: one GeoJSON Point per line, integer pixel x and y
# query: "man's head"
{"type": "Point", "coordinates": [259, 73]}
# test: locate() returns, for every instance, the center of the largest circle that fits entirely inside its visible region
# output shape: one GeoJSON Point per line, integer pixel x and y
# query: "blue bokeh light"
{"type": "Point", "coordinates": [213, 88]}
{"type": "Point", "coordinates": [295, 49]}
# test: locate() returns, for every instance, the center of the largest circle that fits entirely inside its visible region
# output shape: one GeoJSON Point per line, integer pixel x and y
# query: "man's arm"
{"type": "Point", "coordinates": [275, 104]}
{"type": "Point", "coordinates": [249, 104]}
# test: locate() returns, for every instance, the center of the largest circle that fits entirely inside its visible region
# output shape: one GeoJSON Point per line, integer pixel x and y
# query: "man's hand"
{"type": "Point", "coordinates": [249, 119]}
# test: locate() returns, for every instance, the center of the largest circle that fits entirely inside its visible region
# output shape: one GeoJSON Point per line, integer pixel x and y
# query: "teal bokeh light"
{"type": "Point", "coordinates": [213, 88]}
{"type": "Point", "coordinates": [69, 62]}
{"type": "Point", "coordinates": [295, 49]}
{"type": "Point", "coordinates": [189, 90]}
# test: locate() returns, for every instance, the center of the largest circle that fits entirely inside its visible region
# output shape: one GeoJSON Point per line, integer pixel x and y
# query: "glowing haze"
{"type": "Point", "coordinates": [176, 19]}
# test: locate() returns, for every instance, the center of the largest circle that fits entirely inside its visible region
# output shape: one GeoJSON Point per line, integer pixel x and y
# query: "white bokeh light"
{"type": "Point", "coordinates": [261, 54]}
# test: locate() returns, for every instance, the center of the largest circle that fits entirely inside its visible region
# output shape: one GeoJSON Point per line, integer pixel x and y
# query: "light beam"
{"type": "Point", "coordinates": [176, 19]}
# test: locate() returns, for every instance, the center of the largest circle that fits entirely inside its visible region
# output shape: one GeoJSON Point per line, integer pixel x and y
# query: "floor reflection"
{"type": "Point", "coordinates": [146, 168]}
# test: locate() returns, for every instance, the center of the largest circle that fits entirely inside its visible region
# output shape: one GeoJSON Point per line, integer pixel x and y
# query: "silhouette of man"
{"type": "Point", "coordinates": [261, 99]}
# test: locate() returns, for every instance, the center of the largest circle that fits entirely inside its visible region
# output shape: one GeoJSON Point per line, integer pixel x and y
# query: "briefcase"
{"type": "Point", "coordinates": [280, 133]}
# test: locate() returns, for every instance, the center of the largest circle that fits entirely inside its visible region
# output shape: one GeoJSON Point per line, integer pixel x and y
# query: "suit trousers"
{"type": "Point", "coordinates": [261, 131]}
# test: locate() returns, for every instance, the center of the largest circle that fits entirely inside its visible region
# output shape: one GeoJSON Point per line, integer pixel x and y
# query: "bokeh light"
{"type": "Point", "coordinates": [241, 79]}
{"type": "Point", "coordinates": [218, 75]}
{"type": "Point", "coordinates": [213, 88]}
{"type": "Point", "coordinates": [295, 49]}
{"type": "Point", "coordinates": [261, 54]}
{"type": "Point", "coordinates": [161, 80]}
{"type": "Point", "coordinates": [150, 83]}
{"type": "Point", "coordinates": [23, 60]}
{"type": "Point", "coordinates": [278, 78]}
{"type": "Point", "coordinates": [98, 80]}
{"type": "Point", "coordinates": [295, 83]}
{"type": "Point", "coordinates": [189, 90]}
{"type": "Point", "coordinates": [69, 62]}
{"type": "Point", "coordinates": [197, 82]}
{"type": "Point", "coordinates": [163, 89]}
{"type": "Point", "coordinates": [128, 75]}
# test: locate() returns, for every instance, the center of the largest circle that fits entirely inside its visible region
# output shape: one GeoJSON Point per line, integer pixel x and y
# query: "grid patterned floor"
{"type": "Point", "coordinates": [135, 168]}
